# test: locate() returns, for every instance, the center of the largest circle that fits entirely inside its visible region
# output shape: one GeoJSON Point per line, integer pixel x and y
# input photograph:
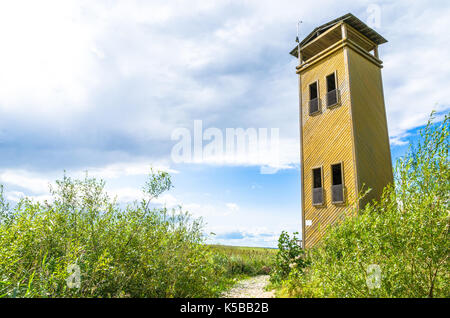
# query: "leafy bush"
{"type": "Point", "coordinates": [290, 256]}
{"type": "Point", "coordinates": [397, 247]}
{"type": "Point", "coordinates": [118, 252]}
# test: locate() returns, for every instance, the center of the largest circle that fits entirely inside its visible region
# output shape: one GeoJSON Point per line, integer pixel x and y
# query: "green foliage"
{"type": "Point", "coordinates": [4, 206]}
{"type": "Point", "coordinates": [120, 252]}
{"type": "Point", "coordinates": [290, 256]}
{"type": "Point", "coordinates": [243, 261]}
{"type": "Point", "coordinates": [405, 234]}
{"type": "Point", "coordinates": [157, 184]}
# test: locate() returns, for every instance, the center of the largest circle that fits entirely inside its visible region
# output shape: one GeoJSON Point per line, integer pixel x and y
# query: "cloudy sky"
{"type": "Point", "coordinates": [102, 86]}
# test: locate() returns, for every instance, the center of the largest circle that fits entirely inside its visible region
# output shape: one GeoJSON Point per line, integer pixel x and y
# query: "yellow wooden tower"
{"type": "Point", "coordinates": [344, 140]}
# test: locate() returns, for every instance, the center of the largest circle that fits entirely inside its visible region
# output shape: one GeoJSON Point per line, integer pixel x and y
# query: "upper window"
{"type": "Point", "coordinates": [313, 98]}
{"type": "Point", "coordinates": [337, 184]}
{"type": "Point", "coordinates": [332, 92]}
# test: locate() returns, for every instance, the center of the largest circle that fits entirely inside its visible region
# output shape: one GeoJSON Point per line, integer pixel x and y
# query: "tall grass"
{"type": "Point", "coordinates": [244, 261]}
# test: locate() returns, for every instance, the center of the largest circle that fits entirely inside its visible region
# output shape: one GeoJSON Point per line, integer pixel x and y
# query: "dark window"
{"type": "Point", "coordinates": [331, 90]}
{"type": "Point", "coordinates": [313, 91]}
{"type": "Point", "coordinates": [331, 82]}
{"type": "Point", "coordinates": [337, 173]}
{"type": "Point", "coordinates": [317, 198]}
{"type": "Point", "coordinates": [317, 176]}
{"type": "Point", "coordinates": [313, 98]}
{"type": "Point", "coordinates": [337, 186]}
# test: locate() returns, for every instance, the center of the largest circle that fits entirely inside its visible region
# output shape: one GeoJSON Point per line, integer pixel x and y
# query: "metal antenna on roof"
{"type": "Point", "coordinates": [298, 30]}
{"type": "Point", "coordinates": [298, 41]}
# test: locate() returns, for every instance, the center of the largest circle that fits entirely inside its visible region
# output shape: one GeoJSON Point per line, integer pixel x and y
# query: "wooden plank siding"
{"type": "Point", "coordinates": [373, 156]}
{"type": "Point", "coordinates": [327, 139]}
{"type": "Point", "coordinates": [354, 132]}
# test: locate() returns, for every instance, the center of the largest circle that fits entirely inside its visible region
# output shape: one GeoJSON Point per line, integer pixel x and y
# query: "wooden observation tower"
{"type": "Point", "coordinates": [344, 140]}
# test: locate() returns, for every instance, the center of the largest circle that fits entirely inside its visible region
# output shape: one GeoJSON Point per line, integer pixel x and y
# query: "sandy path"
{"type": "Point", "coordinates": [250, 288]}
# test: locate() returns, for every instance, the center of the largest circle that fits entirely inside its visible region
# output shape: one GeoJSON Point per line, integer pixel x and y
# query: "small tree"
{"type": "Point", "coordinates": [290, 256]}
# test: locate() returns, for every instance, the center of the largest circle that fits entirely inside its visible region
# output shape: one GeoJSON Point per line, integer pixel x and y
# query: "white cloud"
{"type": "Point", "coordinates": [25, 180]}
{"type": "Point", "coordinates": [16, 196]}
{"type": "Point", "coordinates": [139, 69]}
{"type": "Point", "coordinates": [125, 194]}
{"type": "Point", "coordinates": [416, 72]}
{"type": "Point", "coordinates": [282, 154]}
{"type": "Point", "coordinates": [123, 169]}
{"type": "Point", "coordinates": [244, 236]}
{"type": "Point", "coordinates": [44, 58]}
{"type": "Point", "coordinates": [37, 184]}
{"type": "Point", "coordinates": [167, 200]}
{"type": "Point", "coordinates": [232, 206]}
{"type": "Point", "coordinates": [207, 210]}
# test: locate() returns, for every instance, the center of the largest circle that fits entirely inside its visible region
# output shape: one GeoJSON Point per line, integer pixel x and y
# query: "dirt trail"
{"type": "Point", "coordinates": [250, 288]}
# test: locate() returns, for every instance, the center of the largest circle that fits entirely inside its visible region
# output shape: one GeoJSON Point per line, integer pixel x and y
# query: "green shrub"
{"type": "Point", "coordinates": [404, 237]}
{"type": "Point", "coordinates": [290, 256]}
{"type": "Point", "coordinates": [120, 252]}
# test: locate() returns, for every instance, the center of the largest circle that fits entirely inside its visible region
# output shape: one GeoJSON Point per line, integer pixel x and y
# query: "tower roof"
{"type": "Point", "coordinates": [351, 20]}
